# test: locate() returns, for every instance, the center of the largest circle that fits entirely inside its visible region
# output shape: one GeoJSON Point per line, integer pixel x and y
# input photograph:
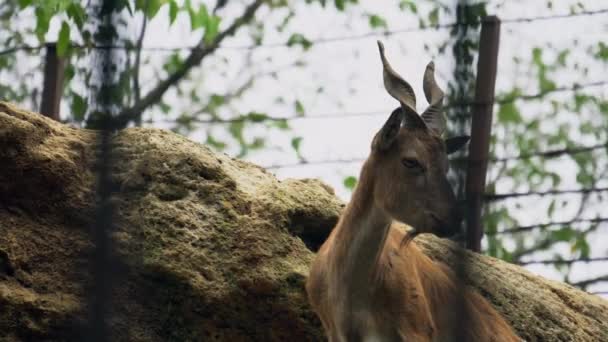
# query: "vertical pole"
{"type": "Point", "coordinates": [53, 82]}
{"type": "Point", "coordinates": [481, 127]}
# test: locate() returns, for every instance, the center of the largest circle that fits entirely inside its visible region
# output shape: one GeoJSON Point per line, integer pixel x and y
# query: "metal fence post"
{"type": "Point", "coordinates": [481, 127]}
{"type": "Point", "coordinates": [54, 67]}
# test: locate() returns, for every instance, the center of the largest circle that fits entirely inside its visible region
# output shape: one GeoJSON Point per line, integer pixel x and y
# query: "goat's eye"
{"type": "Point", "coordinates": [411, 163]}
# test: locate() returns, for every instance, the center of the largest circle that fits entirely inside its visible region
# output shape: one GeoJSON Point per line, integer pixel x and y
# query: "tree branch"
{"type": "Point", "coordinates": [195, 58]}
{"type": "Point", "coordinates": [139, 45]}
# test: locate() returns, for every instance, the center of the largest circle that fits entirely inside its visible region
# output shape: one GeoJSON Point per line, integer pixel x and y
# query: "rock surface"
{"type": "Point", "coordinates": [204, 247]}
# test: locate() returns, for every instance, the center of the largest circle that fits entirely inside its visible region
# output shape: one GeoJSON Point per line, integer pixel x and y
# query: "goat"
{"type": "Point", "coordinates": [369, 281]}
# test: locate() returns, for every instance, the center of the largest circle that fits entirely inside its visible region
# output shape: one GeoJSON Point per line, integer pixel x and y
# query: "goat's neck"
{"type": "Point", "coordinates": [360, 237]}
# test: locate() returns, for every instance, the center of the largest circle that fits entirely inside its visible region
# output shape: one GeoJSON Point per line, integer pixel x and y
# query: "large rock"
{"type": "Point", "coordinates": [204, 247]}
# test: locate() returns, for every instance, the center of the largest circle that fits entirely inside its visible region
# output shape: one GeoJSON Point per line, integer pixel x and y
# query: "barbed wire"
{"type": "Point", "coordinates": [542, 154]}
{"type": "Point", "coordinates": [386, 111]}
{"type": "Point", "coordinates": [499, 197]}
{"type": "Point", "coordinates": [586, 282]}
{"type": "Point", "coordinates": [561, 261]}
{"type": "Point", "coordinates": [531, 227]}
{"type": "Point", "coordinates": [318, 41]}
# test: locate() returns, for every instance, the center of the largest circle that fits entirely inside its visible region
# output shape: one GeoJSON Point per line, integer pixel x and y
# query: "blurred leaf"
{"type": "Point", "coordinates": [79, 107]}
{"type": "Point", "coordinates": [409, 4]}
{"type": "Point", "coordinates": [42, 23]}
{"type": "Point", "coordinates": [150, 7]}
{"type": "Point", "coordinates": [257, 117]}
{"type": "Point", "coordinates": [376, 21]}
{"type": "Point", "coordinates": [299, 108]}
{"type": "Point", "coordinates": [212, 26]}
{"type": "Point", "coordinates": [434, 17]}
{"type": "Point", "coordinates": [172, 11]}
{"type": "Point", "coordinates": [340, 4]}
{"type": "Point", "coordinates": [562, 56]}
{"type": "Point", "coordinates": [602, 51]}
{"type": "Point", "coordinates": [198, 19]}
{"type": "Point", "coordinates": [563, 234]}
{"type": "Point", "coordinates": [295, 143]}
{"type": "Point", "coordinates": [350, 182]}
{"type": "Point", "coordinates": [24, 3]}
{"type": "Point", "coordinates": [217, 144]}
{"type": "Point", "coordinates": [78, 14]}
{"type": "Point", "coordinates": [551, 208]}
{"type": "Point", "coordinates": [63, 42]}
{"type": "Point", "coordinates": [508, 113]}
{"type": "Point", "coordinates": [582, 246]}
{"type": "Point", "coordinates": [281, 124]}
{"type": "Point", "coordinates": [299, 39]}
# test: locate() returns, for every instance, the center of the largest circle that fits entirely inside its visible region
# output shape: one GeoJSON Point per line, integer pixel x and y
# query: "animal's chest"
{"type": "Point", "coordinates": [355, 320]}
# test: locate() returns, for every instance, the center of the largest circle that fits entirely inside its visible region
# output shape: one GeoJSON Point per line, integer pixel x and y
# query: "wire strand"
{"type": "Point", "coordinates": [542, 154]}
{"type": "Point", "coordinates": [521, 20]}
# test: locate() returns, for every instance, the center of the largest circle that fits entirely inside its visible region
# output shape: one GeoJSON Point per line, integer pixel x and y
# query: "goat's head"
{"type": "Point", "coordinates": [408, 162]}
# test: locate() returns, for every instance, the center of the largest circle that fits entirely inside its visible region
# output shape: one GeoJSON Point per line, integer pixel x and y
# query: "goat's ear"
{"type": "Point", "coordinates": [389, 131]}
{"type": "Point", "coordinates": [454, 144]}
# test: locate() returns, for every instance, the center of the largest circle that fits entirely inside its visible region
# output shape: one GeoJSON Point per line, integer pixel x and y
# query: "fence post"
{"type": "Point", "coordinates": [481, 126]}
{"type": "Point", "coordinates": [53, 82]}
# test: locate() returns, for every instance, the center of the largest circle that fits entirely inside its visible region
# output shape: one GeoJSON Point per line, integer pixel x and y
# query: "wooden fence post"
{"type": "Point", "coordinates": [481, 127]}
{"type": "Point", "coordinates": [54, 67]}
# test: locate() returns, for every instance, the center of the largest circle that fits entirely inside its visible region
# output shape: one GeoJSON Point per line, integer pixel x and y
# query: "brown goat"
{"type": "Point", "coordinates": [365, 284]}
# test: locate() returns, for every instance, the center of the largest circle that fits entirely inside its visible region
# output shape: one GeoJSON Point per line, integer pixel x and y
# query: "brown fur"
{"type": "Point", "coordinates": [363, 286]}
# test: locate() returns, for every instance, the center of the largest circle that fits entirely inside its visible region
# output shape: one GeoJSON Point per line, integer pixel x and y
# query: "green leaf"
{"type": "Point", "coordinates": [78, 14]}
{"type": "Point", "coordinates": [299, 108]}
{"type": "Point", "coordinates": [212, 26]}
{"type": "Point", "coordinates": [199, 19]}
{"type": "Point", "coordinates": [63, 42]}
{"type": "Point", "coordinates": [563, 234]}
{"type": "Point", "coordinates": [24, 3]}
{"type": "Point", "coordinates": [350, 182]}
{"type": "Point", "coordinates": [602, 52]}
{"type": "Point", "coordinates": [508, 113]}
{"type": "Point", "coordinates": [257, 117]}
{"type": "Point", "coordinates": [295, 143]}
{"type": "Point", "coordinates": [376, 21]}
{"type": "Point", "coordinates": [551, 208]}
{"type": "Point", "coordinates": [299, 39]}
{"type": "Point", "coordinates": [434, 16]}
{"type": "Point", "coordinates": [154, 6]}
{"type": "Point", "coordinates": [149, 7]}
{"type": "Point", "coordinates": [217, 144]}
{"type": "Point", "coordinates": [42, 23]}
{"type": "Point", "coordinates": [562, 56]}
{"type": "Point", "coordinates": [172, 11]}
{"type": "Point", "coordinates": [581, 245]}
{"type": "Point", "coordinates": [340, 4]}
{"type": "Point", "coordinates": [79, 107]}
{"type": "Point", "coordinates": [281, 124]}
{"type": "Point", "coordinates": [408, 4]}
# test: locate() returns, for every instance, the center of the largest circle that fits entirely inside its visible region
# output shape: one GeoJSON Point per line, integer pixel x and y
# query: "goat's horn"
{"type": "Point", "coordinates": [398, 88]}
{"type": "Point", "coordinates": [433, 115]}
